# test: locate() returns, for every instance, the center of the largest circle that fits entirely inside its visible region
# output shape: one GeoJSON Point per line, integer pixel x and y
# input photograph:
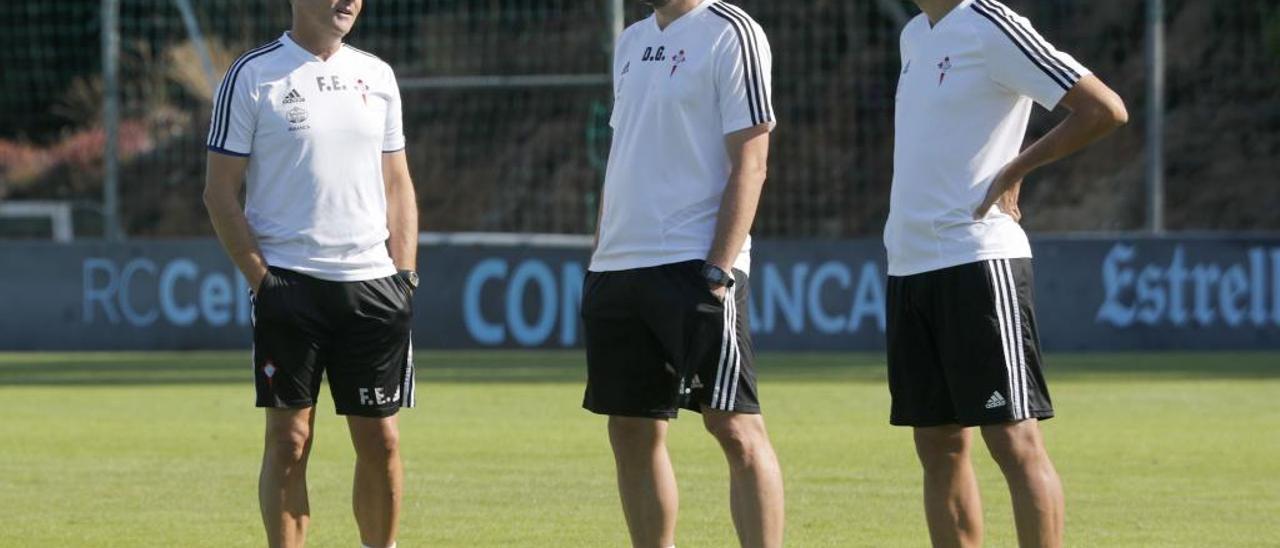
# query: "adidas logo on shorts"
{"type": "Point", "coordinates": [996, 400]}
{"type": "Point", "coordinates": [294, 97]}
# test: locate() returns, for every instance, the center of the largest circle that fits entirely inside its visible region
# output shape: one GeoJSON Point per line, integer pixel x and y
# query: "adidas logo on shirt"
{"type": "Point", "coordinates": [996, 400]}
{"type": "Point", "coordinates": [294, 97]}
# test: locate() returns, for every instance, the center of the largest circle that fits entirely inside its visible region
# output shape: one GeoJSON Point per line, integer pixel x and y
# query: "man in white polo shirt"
{"type": "Point", "coordinates": [327, 238]}
{"type": "Point", "coordinates": [962, 339]}
{"type": "Point", "coordinates": [664, 302]}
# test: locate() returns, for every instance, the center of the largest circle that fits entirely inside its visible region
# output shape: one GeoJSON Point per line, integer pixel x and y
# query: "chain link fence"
{"type": "Point", "coordinates": [506, 106]}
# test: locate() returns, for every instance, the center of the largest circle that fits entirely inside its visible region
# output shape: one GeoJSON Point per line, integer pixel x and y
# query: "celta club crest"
{"type": "Point", "coordinates": [943, 67]}
{"type": "Point", "coordinates": [364, 91]}
{"type": "Point", "coordinates": [675, 62]}
{"type": "Point", "coordinates": [269, 369]}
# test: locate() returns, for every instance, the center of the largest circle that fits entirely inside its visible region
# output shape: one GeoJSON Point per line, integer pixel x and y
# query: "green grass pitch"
{"type": "Point", "coordinates": [162, 449]}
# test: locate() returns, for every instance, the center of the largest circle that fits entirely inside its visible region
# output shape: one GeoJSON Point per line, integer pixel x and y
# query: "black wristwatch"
{"type": "Point", "coordinates": [715, 275]}
{"type": "Point", "coordinates": [410, 277]}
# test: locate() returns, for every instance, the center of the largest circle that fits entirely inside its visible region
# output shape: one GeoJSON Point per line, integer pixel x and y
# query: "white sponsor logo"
{"type": "Point", "coordinates": [996, 401]}
{"type": "Point", "coordinates": [375, 396]}
{"type": "Point", "coordinates": [1182, 293]}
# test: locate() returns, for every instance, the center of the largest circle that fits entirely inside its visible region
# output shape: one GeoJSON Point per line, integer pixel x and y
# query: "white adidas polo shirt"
{"type": "Point", "coordinates": [314, 132]}
{"type": "Point", "coordinates": [964, 100]}
{"type": "Point", "coordinates": [677, 92]}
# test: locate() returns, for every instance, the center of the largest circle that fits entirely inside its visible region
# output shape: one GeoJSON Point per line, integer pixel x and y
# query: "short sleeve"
{"type": "Point", "coordinates": [905, 45]}
{"type": "Point", "coordinates": [906, 40]}
{"type": "Point", "coordinates": [393, 139]}
{"type": "Point", "coordinates": [744, 66]}
{"type": "Point", "coordinates": [903, 56]}
{"type": "Point", "coordinates": [1021, 60]}
{"type": "Point", "coordinates": [619, 76]}
{"type": "Point", "coordinates": [235, 113]}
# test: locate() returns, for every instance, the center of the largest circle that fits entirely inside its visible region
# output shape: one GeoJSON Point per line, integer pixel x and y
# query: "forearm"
{"type": "Point", "coordinates": [236, 237]}
{"type": "Point", "coordinates": [1095, 111]}
{"type": "Point", "coordinates": [402, 223]}
{"type": "Point", "coordinates": [737, 213]}
{"type": "Point", "coordinates": [1075, 132]}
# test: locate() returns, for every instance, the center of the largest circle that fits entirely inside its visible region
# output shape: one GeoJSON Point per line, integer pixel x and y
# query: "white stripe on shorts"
{"type": "Point", "coordinates": [1002, 320]}
{"type": "Point", "coordinates": [731, 302]}
{"type": "Point", "coordinates": [410, 384]}
{"type": "Point", "coordinates": [724, 357]}
{"type": "Point", "coordinates": [1020, 363]}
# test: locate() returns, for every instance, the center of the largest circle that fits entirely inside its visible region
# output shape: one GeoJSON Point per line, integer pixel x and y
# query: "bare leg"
{"type": "Point", "coordinates": [1034, 486]}
{"type": "Point", "coordinates": [646, 480]}
{"type": "Point", "coordinates": [282, 482]}
{"type": "Point", "coordinates": [379, 478]}
{"type": "Point", "coordinates": [952, 505]}
{"type": "Point", "coordinates": [755, 479]}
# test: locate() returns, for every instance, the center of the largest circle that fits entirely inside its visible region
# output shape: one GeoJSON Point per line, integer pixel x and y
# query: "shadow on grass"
{"type": "Point", "coordinates": [195, 368]}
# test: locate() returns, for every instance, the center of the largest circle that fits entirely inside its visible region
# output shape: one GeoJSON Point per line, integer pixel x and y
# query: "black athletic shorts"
{"type": "Point", "coordinates": [658, 339]}
{"type": "Point", "coordinates": [357, 332]}
{"type": "Point", "coordinates": [963, 346]}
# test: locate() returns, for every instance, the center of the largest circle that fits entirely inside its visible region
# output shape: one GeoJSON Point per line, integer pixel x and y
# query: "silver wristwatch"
{"type": "Point", "coordinates": [715, 275]}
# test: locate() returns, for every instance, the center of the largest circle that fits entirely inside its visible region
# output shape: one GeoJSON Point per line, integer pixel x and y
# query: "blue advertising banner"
{"type": "Point", "coordinates": [1091, 294]}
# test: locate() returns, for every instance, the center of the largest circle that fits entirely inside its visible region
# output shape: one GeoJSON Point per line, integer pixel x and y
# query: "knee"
{"type": "Point", "coordinates": [289, 444]}
{"type": "Point", "coordinates": [633, 436]}
{"type": "Point", "coordinates": [378, 443]}
{"type": "Point", "coordinates": [738, 436]}
{"type": "Point", "coordinates": [1014, 446]}
{"type": "Point", "coordinates": [941, 449]}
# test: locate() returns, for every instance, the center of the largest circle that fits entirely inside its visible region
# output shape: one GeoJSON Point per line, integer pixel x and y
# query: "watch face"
{"type": "Point", "coordinates": [716, 275]}
{"type": "Point", "coordinates": [411, 277]}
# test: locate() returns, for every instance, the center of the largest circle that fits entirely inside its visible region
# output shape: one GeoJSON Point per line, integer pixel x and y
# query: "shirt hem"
{"type": "Point", "coordinates": [939, 264]}
{"type": "Point", "coordinates": [613, 265]}
{"type": "Point", "coordinates": [363, 274]}
{"type": "Point", "coordinates": [743, 262]}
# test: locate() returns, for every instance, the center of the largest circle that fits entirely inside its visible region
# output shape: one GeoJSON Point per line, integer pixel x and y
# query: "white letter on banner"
{"type": "Point", "coordinates": [1151, 298]}
{"type": "Point", "coordinates": [788, 299]}
{"type": "Point", "coordinates": [1234, 285]}
{"type": "Point", "coordinates": [94, 293]}
{"type": "Point", "coordinates": [135, 318]}
{"type": "Point", "coordinates": [179, 315]}
{"type": "Point", "coordinates": [868, 298]}
{"type": "Point", "coordinates": [1177, 277]}
{"type": "Point", "coordinates": [484, 332]}
{"type": "Point", "coordinates": [1275, 286]}
{"type": "Point", "coordinates": [1205, 276]}
{"type": "Point", "coordinates": [825, 323]}
{"type": "Point", "coordinates": [242, 299]}
{"type": "Point", "coordinates": [571, 278]}
{"type": "Point", "coordinates": [215, 299]}
{"type": "Point", "coordinates": [540, 273]}
{"type": "Point", "coordinates": [1115, 280]}
{"type": "Point", "coordinates": [1257, 287]}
